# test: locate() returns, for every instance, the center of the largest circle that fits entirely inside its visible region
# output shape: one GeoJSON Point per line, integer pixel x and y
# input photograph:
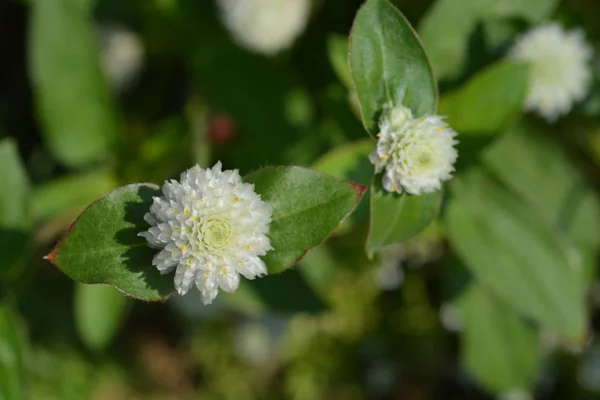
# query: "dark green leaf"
{"type": "Point", "coordinates": [103, 246]}
{"type": "Point", "coordinates": [14, 205]}
{"type": "Point", "coordinates": [514, 252]}
{"type": "Point", "coordinates": [396, 218]}
{"type": "Point", "coordinates": [12, 371]}
{"type": "Point", "coordinates": [503, 86]}
{"type": "Point", "coordinates": [388, 64]}
{"type": "Point", "coordinates": [307, 207]}
{"type": "Point", "coordinates": [72, 95]}
{"type": "Point", "coordinates": [99, 311]}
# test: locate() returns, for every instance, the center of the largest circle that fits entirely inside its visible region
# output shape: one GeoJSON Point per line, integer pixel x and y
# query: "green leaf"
{"type": "Point", "coordinates": [446, 27]}
{"type": "Point", "coordinates": [103, 246]}
{"type": "Point", "coordinates": [503, 86]}
{"type": "Point", "coordinates": [307, 207]}
{"type": "Point", "coordinates": [72, 95]}
{"type": "Point", "coordinates": [70, 193]}
{"type": "Point", "coordinates": [99, 311]}
{"type": "Point", "coordinates": [499, 348]}
{"type": "Point", "coordinates": [513, 251]}
{"type": "Point", "coordinates": [541, 174]}
{"type": "Point", "coordinates": [14, 205]}
{"type": "Point", "coordinates": [350, 162]}
{"type": "Point", "coordinates": [337, 48]}
{"type": "Point", "coordinates": [396, 218]}
{"type": "Point", "coordinates": [388, 64]}
{"type": "Point", "coordinates": [12, 370]}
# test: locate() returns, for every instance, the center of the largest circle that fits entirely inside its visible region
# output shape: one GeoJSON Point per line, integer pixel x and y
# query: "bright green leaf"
{"type": "Point", "coordinates": [12, 371]}
{"type": "Point", "coordinates": [388, 64]}
{"type": "Point", "coordinates": [99, 311]}
{"type": "Point", "coordinates": [514, 252]}
{"type": "Point", "coordinates": [350, 162]}
{"type": "Point", "coordinates": [14, 205]}
{"type": "Point", "coordinates": [72, 96]}
{"type": "Point", "coordinates": [337, 47]}
{"type": "Point", "coordinates": [103, 246]}
{"type": "Point", "coordinates": [499, 348]}
{"type": "Point", "coordinates": [541, 174]}
{"type": "Point", "coordinates": [396, 218]}
{"type": "Point", "coordinates": [307, 206]}
{"type": "Point", "coordinates": [503, 86]}
{"type": "Point", "coordinates": [70, 193]}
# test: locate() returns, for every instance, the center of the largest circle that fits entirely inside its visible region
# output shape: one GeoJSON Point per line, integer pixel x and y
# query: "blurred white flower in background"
{"type": "Point", "coordinates": [560, 68]}
{"type": "Point", "coordinates": [256, 341]}
{"type": "Point", "coordinates": [121, 55]}
{"type": "Point", "coordinates": [211, 227]}
{"type": "Point", "coordinates": [265, 26]}
{"type": "Point", "coordinates": [450, 317]}
{"type": "Point", "coordinates": [417, 154]}
{"type": "Point", "coordinates": [390, 275]}
{"type": "Point", "coordinates": [517, 394]}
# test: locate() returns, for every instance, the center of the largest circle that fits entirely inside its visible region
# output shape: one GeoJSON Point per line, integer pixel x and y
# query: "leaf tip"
{"type": "Point", "coordinates": [360, 189]}
{"type": "Point", "coordinates": [52, 255]}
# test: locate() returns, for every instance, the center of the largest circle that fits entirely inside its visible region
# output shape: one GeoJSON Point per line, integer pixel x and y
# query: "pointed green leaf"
{"type": "Point", "coordinates": [99, 310]}
{"type": "Point", "coordinates": [388, 64]}
{"type": "Point", "coordinates": [72, 95]}
{"type": "Point", "coordinates": [307, 207]}
{"type": "Point", "coordinates": [514, 252]}
{"type": "Point", "coordinates": [103, 246]}
{"type": "Point", "coordinates": [503, 86]}
{"type": "Point", "coordinates": [396, 218]}
{"type": "Point", "coordinates": [14, 205]}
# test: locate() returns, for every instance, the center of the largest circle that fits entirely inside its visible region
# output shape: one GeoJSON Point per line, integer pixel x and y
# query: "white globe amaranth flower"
{"type": "Point", "coordinates": [560, 68]}
{"type": "Point", "coordinates": [211, 227]}
{"type": "Point", "coordinates": [265, 26]}
{"type": "Point", "coordinates": [417, 154]}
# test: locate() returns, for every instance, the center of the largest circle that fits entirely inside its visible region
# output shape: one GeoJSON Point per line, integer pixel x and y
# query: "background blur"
{"type": "Point", "coordinates": [98, 94]}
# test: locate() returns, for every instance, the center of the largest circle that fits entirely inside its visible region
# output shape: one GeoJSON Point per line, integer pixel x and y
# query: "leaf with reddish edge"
{"type": "Point", "coordinates": [102, 245]}
{"type": "Point", "coordinates": [307, 207]}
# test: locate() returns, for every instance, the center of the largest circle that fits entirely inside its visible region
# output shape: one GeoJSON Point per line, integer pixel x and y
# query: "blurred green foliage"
{"type": "Point", "coordinates": [499, 296]}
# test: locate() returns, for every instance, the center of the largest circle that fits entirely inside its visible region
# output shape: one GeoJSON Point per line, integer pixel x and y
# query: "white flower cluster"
{"type": "Point", "coordinates": [265, 26]}
{"type": "Point", "coordinates": [211, 228]}
{"type": "Point", "coordinates": [560, 71]}
{"type": "Point", "coordinates": [416, 154]}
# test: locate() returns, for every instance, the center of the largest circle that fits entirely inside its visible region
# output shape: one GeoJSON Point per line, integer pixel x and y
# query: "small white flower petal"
{"type": "Point", "coordinates": [560, 73]}
{"type": "Point", "coordinates": [229, 279]}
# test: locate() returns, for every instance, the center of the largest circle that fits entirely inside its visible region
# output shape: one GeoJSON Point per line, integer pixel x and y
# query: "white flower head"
{"type": "Point", "coordinates": [121, 55]}
{"type": "Point", "coordinates": [265, 26]}
{"type": "Point", "coordinates": [211, 227]}
{"type": "Point", "coordinates": [417, 154]}
{"type": "Point", "coordinates": [560, 72]}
